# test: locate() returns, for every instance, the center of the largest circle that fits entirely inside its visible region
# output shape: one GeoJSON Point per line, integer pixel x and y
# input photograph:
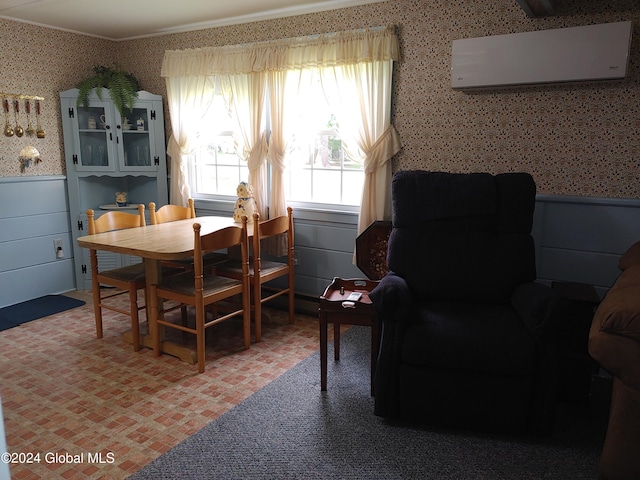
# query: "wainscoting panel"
{"type": "Point", "coordinates": [34, 213]}
{"type": "Point", "coordinates": [581, 239]}
{"type": "Point", "coordinates": [598, 269]}
{"type": "Point", "coordinates": [324, 245]}
{"type": "Point", "coordinates": [34, 251]}
{"type": "Point", "coordinates": [578, 239]}
{"type": "Point", "coordinates": [30, 226]}
{"type": "Point", "coordinates": [324, 251]}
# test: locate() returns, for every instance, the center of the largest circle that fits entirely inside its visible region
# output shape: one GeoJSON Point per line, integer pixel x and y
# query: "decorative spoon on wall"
{"type": "Point", "coordinates": [8, 129]}
{"type": "Point", "coordinates": [30, 130]}
{"type": "Point", "coordinates": [16, 111]}
{"type": "Point", "coordinates": [40, 131]}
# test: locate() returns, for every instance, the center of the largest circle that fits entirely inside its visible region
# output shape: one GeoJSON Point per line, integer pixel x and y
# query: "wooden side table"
{"type": "Point", "coordinates": [575, 366]}
{"type": "Point", "coordinates": [335, 308]}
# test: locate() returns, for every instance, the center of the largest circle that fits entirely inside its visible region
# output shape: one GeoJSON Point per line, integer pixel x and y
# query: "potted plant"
{"type": "Point", "coordinates": [123, 87]}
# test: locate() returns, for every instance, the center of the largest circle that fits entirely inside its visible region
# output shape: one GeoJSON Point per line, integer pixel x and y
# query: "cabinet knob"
{"type": "Point", "coordinates": [107, 127]}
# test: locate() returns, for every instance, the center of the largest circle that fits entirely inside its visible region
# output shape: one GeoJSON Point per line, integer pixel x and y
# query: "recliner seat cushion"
{"type": "Point", "coordinates": [469, 336]}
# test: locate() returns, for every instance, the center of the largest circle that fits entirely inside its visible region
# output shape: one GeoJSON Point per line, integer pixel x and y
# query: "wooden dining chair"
{"type": "Point", "coordinates": [127, 280]}
{"type": "Point", "coordinates": [171, 213]}
{"type": "Point", "coordinates": [262, 271]}
{"type": "Point", "coordinates": [200, 289]}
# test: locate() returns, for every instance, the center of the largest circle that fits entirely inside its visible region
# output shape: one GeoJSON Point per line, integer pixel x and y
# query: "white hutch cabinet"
{"type": "Point", "coordinates": [105, 154]}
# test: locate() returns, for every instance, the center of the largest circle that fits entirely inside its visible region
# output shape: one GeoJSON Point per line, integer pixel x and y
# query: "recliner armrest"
{"type": "Point", "coordinates": [391, 297]}
{"type": "Point", "coordinates": [536, 304]}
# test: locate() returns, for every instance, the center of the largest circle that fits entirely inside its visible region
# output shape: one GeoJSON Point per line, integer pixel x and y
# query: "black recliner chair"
{"type": "Point", "coordinates": [467, 335]}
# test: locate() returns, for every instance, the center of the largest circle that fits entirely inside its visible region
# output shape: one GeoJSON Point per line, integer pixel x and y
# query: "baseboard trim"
{"type": "Point", "coordinates": [305, 304]}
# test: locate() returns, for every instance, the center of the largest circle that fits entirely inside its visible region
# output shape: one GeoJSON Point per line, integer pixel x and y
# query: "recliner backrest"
{"type": "Point", "coordinates": [463, 237]}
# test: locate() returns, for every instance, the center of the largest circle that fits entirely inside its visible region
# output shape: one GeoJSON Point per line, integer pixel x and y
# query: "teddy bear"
{"type": "Point", "coordinates": [246, 204]}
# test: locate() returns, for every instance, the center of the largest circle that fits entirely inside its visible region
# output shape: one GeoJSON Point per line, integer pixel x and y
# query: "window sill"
{"type": "Point", "coordinates": [318, 213]}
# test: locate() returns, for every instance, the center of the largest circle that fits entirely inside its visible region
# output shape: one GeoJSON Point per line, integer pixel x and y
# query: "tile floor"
{"type": "Point", "coordinates": [89, 408]}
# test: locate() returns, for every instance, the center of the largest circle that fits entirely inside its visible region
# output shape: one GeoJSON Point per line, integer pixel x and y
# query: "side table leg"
{"type": "Point", "coordinates": [323, 351]}
{"type": "Point", "coordinates": [336, 340]}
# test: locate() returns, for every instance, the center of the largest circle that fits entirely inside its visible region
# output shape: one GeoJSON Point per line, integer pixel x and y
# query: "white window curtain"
{"type": "Point", "coordinates": [277, 141]}
{"type": "Point", "coordinates": [364, 124]}
{"type": "Point", "coordinates": [284, 90]}
{"type": "Point", "coordinates": [188, 97]}
{"type": "Point", "coordinates": [244, 94]}
{"type": "Point", "coordinates": [375, 48]}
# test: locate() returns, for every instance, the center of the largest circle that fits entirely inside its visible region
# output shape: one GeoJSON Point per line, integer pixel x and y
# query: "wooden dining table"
{"type": "Point", "coordinates": [155, 243]}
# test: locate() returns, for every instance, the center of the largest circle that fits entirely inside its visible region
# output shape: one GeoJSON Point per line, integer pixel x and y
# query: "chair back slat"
{"type": "Point", "coordinates": [224, 238]}
{"type": "Point", "coordinates": [274, 226]}
{"type": "Point", "coordinates": [171, 213]}
{"type": "Point", "coordinates": [115, 220]}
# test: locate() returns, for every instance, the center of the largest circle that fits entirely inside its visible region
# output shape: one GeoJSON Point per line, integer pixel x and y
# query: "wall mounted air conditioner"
{"type": "Point", "coordinates": [593, 52]}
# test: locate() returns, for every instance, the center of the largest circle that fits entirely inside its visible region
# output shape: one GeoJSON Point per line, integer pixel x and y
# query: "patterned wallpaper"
{"type": "Point", "coordinates": [579, 140]}
{"type": "Point", "coordinates": [42, 61]}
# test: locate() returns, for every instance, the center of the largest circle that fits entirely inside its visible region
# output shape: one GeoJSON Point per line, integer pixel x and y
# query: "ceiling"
{"type": "Point", "coordinates": [128, 19]}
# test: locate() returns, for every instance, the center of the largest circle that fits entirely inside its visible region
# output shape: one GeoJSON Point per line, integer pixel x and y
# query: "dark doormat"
{"type": "Point", "coordinates": [24, 312]}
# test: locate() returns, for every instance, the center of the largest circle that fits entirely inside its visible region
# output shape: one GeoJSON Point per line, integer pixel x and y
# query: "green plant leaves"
{"type": "Point", "coordinates": [123, 87]}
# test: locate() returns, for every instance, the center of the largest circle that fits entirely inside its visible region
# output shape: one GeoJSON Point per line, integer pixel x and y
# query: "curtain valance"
{"type": "Point", "coordinates": [342, 48]}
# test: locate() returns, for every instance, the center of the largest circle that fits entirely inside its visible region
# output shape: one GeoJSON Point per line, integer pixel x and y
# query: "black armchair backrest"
{"type": "Point", "coordinates": [463, 236]}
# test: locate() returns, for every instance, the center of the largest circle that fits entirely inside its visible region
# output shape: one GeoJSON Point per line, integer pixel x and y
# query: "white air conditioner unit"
{"type": "Point", "coordinates": [593, 52]}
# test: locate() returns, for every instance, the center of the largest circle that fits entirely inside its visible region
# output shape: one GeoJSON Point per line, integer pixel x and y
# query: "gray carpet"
{"type": "Point", "coordinates": [290, 430]}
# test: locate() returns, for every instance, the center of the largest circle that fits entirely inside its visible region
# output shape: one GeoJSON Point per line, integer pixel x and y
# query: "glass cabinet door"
{"type": "Point", "coordinates": [137, 150]}
{"type": "Point", "coordinates": [95, 138]}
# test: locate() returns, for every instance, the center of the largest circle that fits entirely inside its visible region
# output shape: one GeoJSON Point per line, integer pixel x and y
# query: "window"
{"type": "Point", "coordinates": [327, 147]}
{"type": "Point", "coordinates": [318, 169]}
{"type": "Point", "coordinates": [216, 169]}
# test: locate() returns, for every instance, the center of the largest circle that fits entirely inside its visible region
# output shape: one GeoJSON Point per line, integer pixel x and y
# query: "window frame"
{"type": "Point", "coordinates": [308, 205]}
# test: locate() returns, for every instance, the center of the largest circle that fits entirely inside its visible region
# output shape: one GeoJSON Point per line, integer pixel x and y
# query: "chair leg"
{"type": "Point", "coordinates": [135, 321]}
{"type": "Point", "coordinates": [95, 292]}
{"type": "Point", "coordinates": [257, 309]}
{"type": "Point", "coordinates": [97, 310]}
{"type": "Point", "coordinates": [200, 339]}
{"type": "Point", "coordinates": [147, 303]}
{"type": "Point", "coordinates": [154, 326]}
{"type": "Point", "coordinates": [292, 299]}
{"type": "Point", "coordinates": [246, 320]}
